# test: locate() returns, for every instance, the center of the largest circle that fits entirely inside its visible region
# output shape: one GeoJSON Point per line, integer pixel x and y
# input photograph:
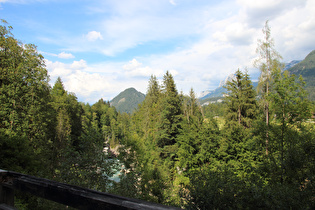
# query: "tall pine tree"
{"type": "Point", "coordinates": [267, 62]}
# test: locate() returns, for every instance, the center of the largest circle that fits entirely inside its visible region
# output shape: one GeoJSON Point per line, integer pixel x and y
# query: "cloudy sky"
{"type": "Point", "coordinates": [101, 47]}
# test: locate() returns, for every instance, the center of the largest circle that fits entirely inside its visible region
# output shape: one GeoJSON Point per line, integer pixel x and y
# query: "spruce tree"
{"type": "Point", "coordinates": [189, 140]}
{"type": "Point", "coordinates": [150, 109]}
{"type": "Point", "coordinates": [240, 100]}
{"type": "Point", "coordinates": [171, 113]}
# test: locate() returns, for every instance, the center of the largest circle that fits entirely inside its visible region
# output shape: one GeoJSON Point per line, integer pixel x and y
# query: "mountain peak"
{"type": "Point", "coordinates": [229, 78]}
{"type": "Point", "coordinates": [128, 100]}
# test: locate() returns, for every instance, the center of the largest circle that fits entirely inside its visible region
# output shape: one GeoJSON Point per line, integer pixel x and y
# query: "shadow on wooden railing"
{"type": "Point", "coordinates": [70, 195]}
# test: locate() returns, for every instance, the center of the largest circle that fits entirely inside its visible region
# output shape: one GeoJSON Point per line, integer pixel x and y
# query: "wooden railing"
{"type": "Point", "coordinates": [70, 195]}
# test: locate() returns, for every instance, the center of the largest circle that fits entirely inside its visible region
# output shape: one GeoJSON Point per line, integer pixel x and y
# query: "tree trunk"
{"type": "Point", "coordinates": [239, 115]}
{"type": "Point", "coordinates": [267, 120]}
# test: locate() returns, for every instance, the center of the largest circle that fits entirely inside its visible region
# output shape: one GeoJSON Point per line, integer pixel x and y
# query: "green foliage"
{"type": "Point", "coordinates": [24, 89]}
{"type": "Point", "coordinates": [170, 149]}
{"type": "Point", "coordinates": [240, 100]}
{"type": "Point", "coordinates": [24, 110]}
{"type": "Point", "coordinates": [210, 167]}
{"type": "Point", "coordinates": [68, 112]}
{"type": "Point", "coordinates": [17, 155]}
{"type": "Point", "coordinates": [290, 108]}
{"type": "Point", "coordinates": [223, 189]}
{"type": "Point", "coordinates": [45, 131]}
{"type": "Point", "coordinates": [214, 110]}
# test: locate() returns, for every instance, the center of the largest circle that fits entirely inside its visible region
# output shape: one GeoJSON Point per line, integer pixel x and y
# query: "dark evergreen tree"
{"type": "Point", "coordinates": [171, 113]}
{"type": "Point", "coordinates": [150, 109]}
{"type": "Point", "coordinates": [189, 140]}
{"type": "Point", "coordinates": [240, 100]}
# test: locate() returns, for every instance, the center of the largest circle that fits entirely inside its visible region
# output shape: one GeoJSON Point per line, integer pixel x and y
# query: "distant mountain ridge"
{"type": "Point", "coordinates": [218, 93]}
{"type": "Point", "coordinates": [128, 100]}
{"type": "Point", "coordinates": [305, 68]}
{"type": "Point", "coordinates": [291, 64]}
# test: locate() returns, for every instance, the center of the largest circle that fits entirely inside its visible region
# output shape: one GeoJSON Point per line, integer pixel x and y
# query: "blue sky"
{"type": "Point", "coordinates": [101, 47]}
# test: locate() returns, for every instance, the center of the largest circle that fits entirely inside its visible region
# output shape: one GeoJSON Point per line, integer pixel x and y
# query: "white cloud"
{"type": "Point", "coordinates": [135, 69]}
{"type": "Point", "coordinates": [208, 42]}
{"type": "Point", "coordinates": [62, 55]}
{"type": "Point", "coordinates": [257, 12]}
{"type": "Point", "coordinates": [103, 80]}
{"type": "Point", "coordinates": [292, 24]}
{"type": "Point", "coordinates": [260, 4]}
{"type": "Point", "coordinates": [224, 43]}
{"type": "Point", "coordinates": [86, 84]}
{"type": "Point", "coordinates": [13, 1]}
{"type": "Point", "coordinates": [93, 36]}
{"type": "Point", "coordinates": [134, 24]}
{"type": "Point", "coordinates": [132, 65]}
{"type": "Point", "coordinates": [57, 69]}
{"type": "Point", "coordinates": [65, 55]}
{"type": "Point", "coordinates": [81, 64]}
{"type": "Point", "coordinates": [236, 33]}
{"type": "Point", "coordinates": [173, 2]}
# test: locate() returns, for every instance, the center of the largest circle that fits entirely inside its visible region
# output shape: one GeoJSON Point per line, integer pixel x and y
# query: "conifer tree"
{"type": "Point", "coordinates": [191, 108]}
{"type": "Point", "coordinates": [151, 109]}
{"type": "Point", "coordinates": [171, 113]}
{"type": "Point", "coordinates": [240, 100]}
{"type": "Point", "coordinates": [67, 124]}
{"type": "Point", "coordinates": [189, 140]}
{"type": "Point", "coordinates": [240, 113]}
{"type": "Point", "coordinates": [153, 92]}
{"type": "Point", "coordinates": [268, 61]}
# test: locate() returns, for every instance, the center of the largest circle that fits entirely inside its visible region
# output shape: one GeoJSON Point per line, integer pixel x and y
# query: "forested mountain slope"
{"type": "Point", "coordinates": [306, 69]}
{"type": "Point", "coordinates": [128, 100]}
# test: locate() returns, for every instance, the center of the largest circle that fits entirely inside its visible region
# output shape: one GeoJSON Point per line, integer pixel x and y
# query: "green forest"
{"type": "Point", "coordinates": [256, 150]}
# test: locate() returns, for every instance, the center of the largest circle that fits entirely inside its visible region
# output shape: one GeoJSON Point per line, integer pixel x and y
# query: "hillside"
{"type": "Point", "coordinates": [128, 100]}
{"type": "Point", "coordinates": [306, 68]}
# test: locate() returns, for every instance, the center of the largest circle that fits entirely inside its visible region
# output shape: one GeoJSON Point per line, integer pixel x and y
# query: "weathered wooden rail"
{"type": "Point", "coordinates": [70, 195]}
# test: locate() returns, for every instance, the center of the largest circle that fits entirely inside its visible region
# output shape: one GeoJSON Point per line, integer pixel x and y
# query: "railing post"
{"type": "Point", "coordinates": [6, 192]}
{"type": "Point", "coordinates": [6, 195]}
